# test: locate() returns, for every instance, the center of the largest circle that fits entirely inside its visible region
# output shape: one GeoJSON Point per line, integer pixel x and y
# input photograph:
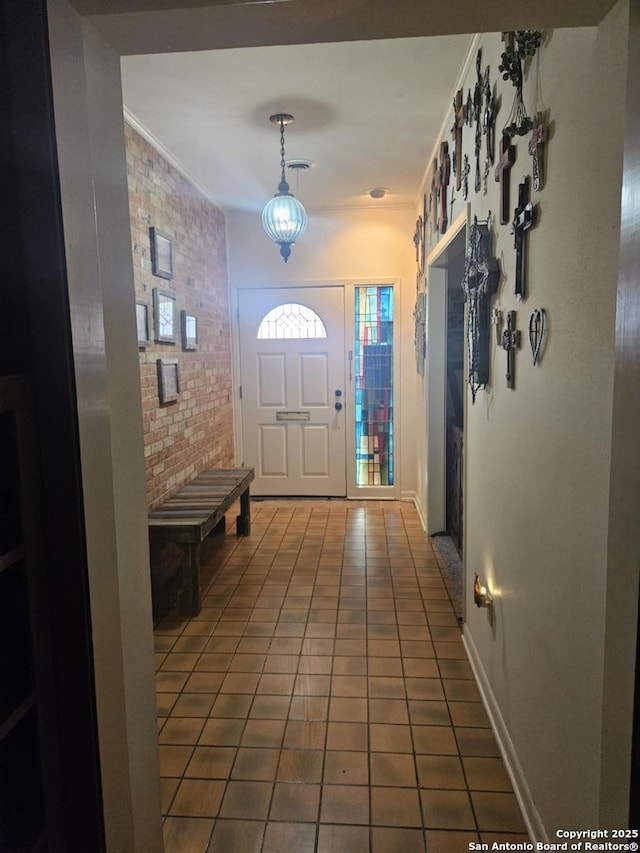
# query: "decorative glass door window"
{"type": "Point", "coordinates": [373, 372]}
{"type": "Point", "coordinates": [291, 320]}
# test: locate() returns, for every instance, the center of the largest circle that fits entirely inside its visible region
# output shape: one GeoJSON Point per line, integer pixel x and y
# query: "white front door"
{"type": "Point", "coordinates": [293, 400]}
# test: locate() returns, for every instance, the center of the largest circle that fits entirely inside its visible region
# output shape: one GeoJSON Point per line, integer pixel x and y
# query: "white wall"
{"type": "Point", "coordinates": [341, 246]}
{"type": "Point", "coordinates": [90, 135]}
{"type": "Point", "coordinates": [538, 457]}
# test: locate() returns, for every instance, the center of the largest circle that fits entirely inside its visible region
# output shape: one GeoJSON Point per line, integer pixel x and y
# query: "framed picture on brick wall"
{"type": "Point", "coordinates": [142, 323]}
{"type": "Point", "coordinates": [189, 327]}
{"type": "Point", "coordinates": [161, 253]}
{"type": "Point", "coordinates": [168, 379]}
{"type": "Point", "coordinates": [164, 316]}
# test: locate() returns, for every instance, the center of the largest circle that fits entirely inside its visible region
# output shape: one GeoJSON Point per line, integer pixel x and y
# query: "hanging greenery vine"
{"type": "Point", "coordinates": [520, 44]}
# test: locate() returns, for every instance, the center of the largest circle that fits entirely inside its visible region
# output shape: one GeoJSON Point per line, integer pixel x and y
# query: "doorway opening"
{"type": "Point", "coordinates": [445, 376]}
{"type": "Point", "coordinates": [454, 411]}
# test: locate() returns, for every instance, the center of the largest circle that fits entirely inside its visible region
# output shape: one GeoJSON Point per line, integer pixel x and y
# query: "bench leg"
{"type": "Point", "coordinates": [190, 595]}
{"type": "Point", "coordinates": [243, 521]}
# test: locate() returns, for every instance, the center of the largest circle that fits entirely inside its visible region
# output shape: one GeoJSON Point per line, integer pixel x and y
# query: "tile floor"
{"type": "Point", "coordinates": [322, 701]}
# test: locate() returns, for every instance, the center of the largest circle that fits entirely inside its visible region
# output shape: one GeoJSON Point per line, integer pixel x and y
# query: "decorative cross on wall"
{"type": "Point", "coordinates": [477, 90]}
{"type": "Point", "coordinates": [480, 280]}
{"type": "Point", "coordinates": [417, 242]}
{"type": "Point", "coordinates": [505, 162]}
{"type": "Point", "coordinates": [478, 94]}
{"type": "Point", "coordinates": [434, 195]}
{"type": "Point", "coordinates": [444, 175]}
{"type": "Point", "coordinates": [510, 343]}
{"type": "Point", "coordinates": [489, 118]}
{"type": "Point", "coordinates": [460, 114]}
{"type": "Point", "coordinates": [524, 218]}
{"type": "Point", "coordinates": [465, 178]}
{"type": "Point", "coordinates": [536, 149]}
{"type": "Point", "coordinates": [425, 233]}
{"type": "Point", "coordinates": [469, 109]}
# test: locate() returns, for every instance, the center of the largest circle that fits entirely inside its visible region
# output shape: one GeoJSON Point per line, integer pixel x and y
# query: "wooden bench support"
{"type": "Point", "coordinates": [177, 528]}
{"type": "Point", "coordinates": [243, 521]}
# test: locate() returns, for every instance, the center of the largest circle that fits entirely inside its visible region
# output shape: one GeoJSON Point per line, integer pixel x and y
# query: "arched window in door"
{"type": "Point", "coordinates": [291, 320]}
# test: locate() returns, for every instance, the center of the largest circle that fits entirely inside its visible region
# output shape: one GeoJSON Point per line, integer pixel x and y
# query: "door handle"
{"type": "Point", "coordinates": [337, 406]}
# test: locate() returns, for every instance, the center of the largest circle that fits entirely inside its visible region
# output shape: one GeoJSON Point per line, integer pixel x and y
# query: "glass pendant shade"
{"type": "Point", "coordinates": [284, 220]}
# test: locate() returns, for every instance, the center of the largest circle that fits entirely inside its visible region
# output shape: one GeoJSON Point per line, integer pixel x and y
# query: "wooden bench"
{"type": "Point", "coordinates": [177, 528]}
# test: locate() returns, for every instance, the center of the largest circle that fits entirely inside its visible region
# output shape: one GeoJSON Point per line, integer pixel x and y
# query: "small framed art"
{"type": "Point", "coordinates": [189, 326]}
{"type": "Point", "coordinates": [168, 380]}
{"type": "Point", "coordinates": [142, 323]}
{"type": "Point", "coordinates": [164, 316]}
{"type": "Point", "coordinates": [161, 253]}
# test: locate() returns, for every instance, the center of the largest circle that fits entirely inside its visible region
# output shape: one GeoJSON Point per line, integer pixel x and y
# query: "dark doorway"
{"type": "Point", "coordinates": [455, 394]}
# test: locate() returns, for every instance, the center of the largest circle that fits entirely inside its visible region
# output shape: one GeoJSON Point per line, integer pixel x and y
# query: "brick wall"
{"type": "Point", "coordinates": [196, 431]}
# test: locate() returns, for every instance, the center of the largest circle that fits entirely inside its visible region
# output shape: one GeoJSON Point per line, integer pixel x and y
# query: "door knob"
{"type": "Point", "coordinates": [338, 406]}
{"type": "Point", "coordinates": [338, 393]}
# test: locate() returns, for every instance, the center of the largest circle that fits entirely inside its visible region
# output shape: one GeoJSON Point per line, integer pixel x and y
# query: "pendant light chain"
{"type": "Point", "coordinates": [284, 186]}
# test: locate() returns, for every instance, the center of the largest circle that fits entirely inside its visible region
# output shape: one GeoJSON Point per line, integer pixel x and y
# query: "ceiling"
{"type": "Point", "coordinates": [367, 113]}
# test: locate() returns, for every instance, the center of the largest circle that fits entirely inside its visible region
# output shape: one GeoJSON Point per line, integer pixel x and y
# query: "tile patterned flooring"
{"type": "Point", "coordinates": [322, 701]}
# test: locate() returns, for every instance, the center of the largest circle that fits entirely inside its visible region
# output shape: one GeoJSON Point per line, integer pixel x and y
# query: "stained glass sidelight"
{"type": "Point", "coordinates": [291, 320]}
{"type": "Point", "coordinates": [373, 370]}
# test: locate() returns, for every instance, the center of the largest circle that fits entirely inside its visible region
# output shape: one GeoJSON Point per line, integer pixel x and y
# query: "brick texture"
{"type": "Point", "coordinates": [195, 432]}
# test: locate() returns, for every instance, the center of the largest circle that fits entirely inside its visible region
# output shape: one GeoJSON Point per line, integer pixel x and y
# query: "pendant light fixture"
{"type": "Point", "coordinates": [283, 218]}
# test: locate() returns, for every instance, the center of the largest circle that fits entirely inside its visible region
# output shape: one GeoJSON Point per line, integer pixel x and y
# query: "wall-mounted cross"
{"type": "Point", "coordinates": [442, 179]}
{"type": "Point", "coordinates": [466, 168]}
{"type": "Point", "coordinates": [460, 114]}
{"type": "Point", "coordinates": [536, 149]}
{"type": "Point", "coordinates": [489, 119]}
{"type": "Point", "coordinates": [510, 343]}
{"type": "Point", "coordinates": [469, 109]}
{"type": "Point", "coordinates": [505, 162]}
{"type": "Point", "coordinates": [524, 218]}
{"type": "Point", "coordinates": [433, 196]}
{"type": "Point", "coordinates": [478, 96]}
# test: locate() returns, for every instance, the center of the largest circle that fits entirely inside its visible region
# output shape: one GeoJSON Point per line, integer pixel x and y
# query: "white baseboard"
{"type": "Point", "coordinates": [530, 813]}
{"type": "Point", "coordinates": [413, 498]}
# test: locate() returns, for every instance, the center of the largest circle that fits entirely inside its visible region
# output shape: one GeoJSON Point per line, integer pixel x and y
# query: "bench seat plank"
{"type": "Point", "coordinates": [186, 519]}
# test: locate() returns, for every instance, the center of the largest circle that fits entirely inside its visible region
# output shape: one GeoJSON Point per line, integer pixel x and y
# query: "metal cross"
{"type": "Point", "coordinates": [536, 143]}
{"type": "Point", "coordinates": [478, 95]}
{"type": "Point", "coordinates": [524, 218]}
{"type": "Point", "coordinates": [442, 182]}
{"type": "Point", "coordinates": [489, 121]}
{"type": "Point", "coordinates": [434, 195]}
{"type": "Point", "coordinates": [460, 114]}
{"type": "Point", "coordinates": [469, 109]}
{"type": "Point", "coordinates": [478, 179]}
{"type": "Point", "coordinates": [506, 161]}
{"type": "Point", "coordinates": [477, 91]}
{"type": "Point", "coordinates": [465, 178]}
{"type": "Point", "coordinates": [510, 343]}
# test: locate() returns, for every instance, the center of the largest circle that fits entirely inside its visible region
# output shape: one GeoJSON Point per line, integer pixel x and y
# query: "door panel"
{"type": "Point", "coordinates": [314, 390]}
{"type": "Point", "coordinates": [272, 385]}
{"type": "Point", "coordinates": [272, 461]}
{"type": "Point", "coordinates": [315, 450]}
{"type": "Point", "coordinates": [293, 435]}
